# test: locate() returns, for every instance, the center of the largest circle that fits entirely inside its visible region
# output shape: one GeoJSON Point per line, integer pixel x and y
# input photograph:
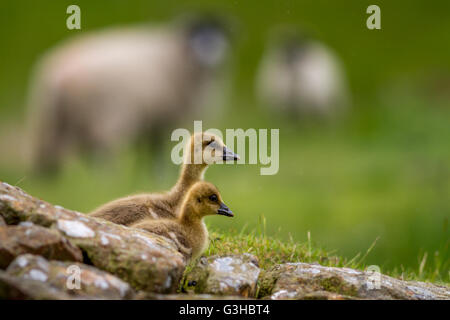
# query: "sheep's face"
{"type": "Point", "coordinates": [209, 45]}
{"type": "Point", "coordinates": [206, 200]}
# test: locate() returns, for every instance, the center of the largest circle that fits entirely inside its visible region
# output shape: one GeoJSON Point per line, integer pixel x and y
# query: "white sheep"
{"type": "Point", "coordinates": [300, 76]}
{"type": "Point", "coordinates": [98, 92]}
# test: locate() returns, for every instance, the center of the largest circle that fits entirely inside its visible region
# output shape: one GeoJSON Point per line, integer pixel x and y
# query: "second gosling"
{"type": "Point", "coordinates": [188, 230]}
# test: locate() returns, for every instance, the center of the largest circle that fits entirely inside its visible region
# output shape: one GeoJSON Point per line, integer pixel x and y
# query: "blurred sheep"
{"type": "Point", "coordinates": [300, 76]}
{"type": "Point", "coordinates": [99, 92]}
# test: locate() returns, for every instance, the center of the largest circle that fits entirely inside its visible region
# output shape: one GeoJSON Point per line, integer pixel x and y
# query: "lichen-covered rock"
{"type": "Point", "coordinates": [30, 238]}
{"type": "Point", "coordinates": [183, 296]}
{"type": "Point", "coordinates": [13, 288]}
{"type": "Point", "coordinates": [226, 275]}
{"type": "Point", "coordinates": [74, 279]}
{"type": "Point", "coordinates": [146, 261]}
{"type": "Point", "coordinates": [311, 281]}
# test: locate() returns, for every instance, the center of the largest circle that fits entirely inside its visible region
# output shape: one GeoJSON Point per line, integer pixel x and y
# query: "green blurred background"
{"type": "Point", "coordinates": [382, 171]}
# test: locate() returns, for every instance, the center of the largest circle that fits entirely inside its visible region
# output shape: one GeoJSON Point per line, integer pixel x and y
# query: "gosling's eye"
{"type": "Point", "coordinates": [213, 198]}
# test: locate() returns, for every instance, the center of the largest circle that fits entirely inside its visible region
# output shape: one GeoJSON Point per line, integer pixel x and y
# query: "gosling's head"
{"type": "Point", "coordinates": [205, 199]}
{"type": "Point", "coordinates": [206, 148]}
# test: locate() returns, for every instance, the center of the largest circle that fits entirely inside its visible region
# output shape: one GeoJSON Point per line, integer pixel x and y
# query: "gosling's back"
{"type": "Point", "coordinates": [132, 209]}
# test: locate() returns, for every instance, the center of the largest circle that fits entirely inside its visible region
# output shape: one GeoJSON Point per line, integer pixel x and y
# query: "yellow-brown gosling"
{"type": "Point", "coordinates": [131, 209]}
{"type": "Point", "coordinates": [188, 230]}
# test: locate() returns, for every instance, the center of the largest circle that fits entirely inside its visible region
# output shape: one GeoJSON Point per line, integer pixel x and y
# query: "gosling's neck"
{"type": "Point", "coordinates": [190, 174]}
{"type": "Point", "coordinates": [188, 217]}
{"type": "Point", "coordinates": [197, 234]}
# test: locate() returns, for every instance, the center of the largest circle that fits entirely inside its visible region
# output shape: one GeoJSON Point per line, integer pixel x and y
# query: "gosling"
{"type": "Point", "coordinates": [188, 231]}
{"type": "Point", "coordinates": [131, 209]}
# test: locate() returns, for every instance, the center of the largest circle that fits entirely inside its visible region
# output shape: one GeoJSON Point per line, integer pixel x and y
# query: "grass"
{"type": "Point", "coordinates": [381, 173]}
{"type": "Point", "coordinates": [346, 185]}
{"type": "Point", "coordinates": [271, 251]}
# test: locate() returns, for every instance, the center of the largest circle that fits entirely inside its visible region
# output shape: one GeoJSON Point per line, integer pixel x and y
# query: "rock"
{"type": "Point", "coordinates": [72, 279]}
{"type": "Point", "coordinates": [147, 261]}
{"type": "Point", "coordinates": [152, 265]}
{"type": "Point", "coordinates": [183, 296]}
{"type": "Point", "coordinates": [13, 288]}
{"type": "Point", "coordinates": [227, 275]}
{"type": "Point", "coordinates": [17, 240]}
{"type": "Point", "coordinates": [311, 281]}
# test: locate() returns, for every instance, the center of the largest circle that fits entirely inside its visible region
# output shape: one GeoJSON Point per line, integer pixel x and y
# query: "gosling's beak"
{"type": "Point", "coordinates": [225, 211]}
{"type": "Point", "coordinates": [229, 155]}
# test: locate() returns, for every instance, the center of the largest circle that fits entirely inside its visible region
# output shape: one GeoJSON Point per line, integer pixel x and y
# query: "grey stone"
{"type": "Point", "coordinates": [226, 275]}
{"type": "Point", "coordinates": [17, 240]}
{"type": "Point", "coordinates": [13, 288]}
{"type": "Point", "coordinates": [311, 281]}
{"type": "Point", "coordinates": [147, 261]}
{"type": "Point", "coordinates": [74, 280]}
